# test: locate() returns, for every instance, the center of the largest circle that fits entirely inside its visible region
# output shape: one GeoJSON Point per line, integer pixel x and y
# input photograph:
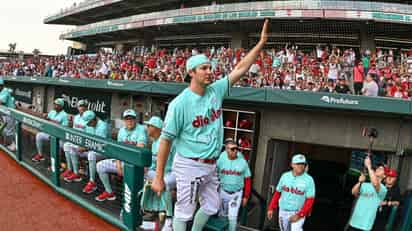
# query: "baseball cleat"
{"type": "Point", "coordinates": [66, 173]}
{"type": "Point", "coordinates": [106, 196]}
{"type": "Point", "coordinates": [37, 158]}
{"type": "Point", "coordinates": [73, 177]}
{"type": "Point", "coordinates": [90, 187]}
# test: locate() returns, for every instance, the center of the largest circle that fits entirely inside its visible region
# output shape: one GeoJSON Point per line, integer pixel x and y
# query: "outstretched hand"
{"type": "Point", "coordinates": [264, 34]}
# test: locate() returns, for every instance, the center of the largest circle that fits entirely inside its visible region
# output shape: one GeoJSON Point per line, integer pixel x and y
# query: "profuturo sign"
{"type": "Point", "coordinates": [341, 100]}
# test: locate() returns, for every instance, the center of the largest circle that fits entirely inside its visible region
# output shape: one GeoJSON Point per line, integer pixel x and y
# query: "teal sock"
{"type": "Point", "coordinates": [232, 224]}
{"type": "Point", "coordinates": [38, 146]}
{"type": "Point", "coordinates": [104, 177]}
{"type": "Point", "coordinates": [92, 170]}
{"type": "Point", "coordinates": [179, 225]}
{"type": "Point", "coordinates": [75, 160]}
{"type": "Point", "coordinates": [200, 220]}
{"type": "Point", "coordinates": [68, 161]}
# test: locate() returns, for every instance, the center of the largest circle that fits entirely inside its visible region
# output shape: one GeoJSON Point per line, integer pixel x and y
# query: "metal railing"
{"type": "Point", "coordinates": [166, 16]}
{"type": "Point", "coordinates": [134, 160]}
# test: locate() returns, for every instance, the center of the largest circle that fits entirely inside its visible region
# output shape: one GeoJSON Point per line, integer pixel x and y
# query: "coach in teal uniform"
{"type": "Point", "coordinates": [294, 195]}
{"type": "Point", "coordinates": [194, 122]}
{"type": "Point", "coordinates": [58, 116]}
{"type": "Point", "coordinates": [235, 183]}
{"type": "Point", "coordinates": [132, 134]}
{"type": "Point", "coordinates": [370, 195]}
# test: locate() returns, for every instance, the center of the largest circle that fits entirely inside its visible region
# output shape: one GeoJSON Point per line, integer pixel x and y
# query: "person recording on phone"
{"type": "Point", "coordinates": [369, 197]}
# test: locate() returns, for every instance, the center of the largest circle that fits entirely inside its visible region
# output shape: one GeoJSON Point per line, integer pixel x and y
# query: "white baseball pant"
{"type": "Point", "coordinates": [195, 180]}
{"type": "Point", "coordinates": [230, 204]}
{"type": "Point", "coordinates": [286, 225]}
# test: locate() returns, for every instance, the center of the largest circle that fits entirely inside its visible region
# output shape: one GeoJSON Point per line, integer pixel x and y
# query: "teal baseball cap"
{"type": "Point", "coordinates": [59, 101]}
{"type": "Point", "coordinates": [129, 112]}
{"type": "Point", "coordinates": [88, 116]}
{"type": "Point", "coordinates": [195, 61]}
{"type": "Point", "coordinates": [155, 121]}
{"type": "Point", "coordinates": [82, 102]}
{"type": "Point", "coordinates": [298, 159]}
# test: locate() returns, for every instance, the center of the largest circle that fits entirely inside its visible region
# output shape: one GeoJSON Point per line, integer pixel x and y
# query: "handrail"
{"type": "Point", "coordinates": [137, 156]}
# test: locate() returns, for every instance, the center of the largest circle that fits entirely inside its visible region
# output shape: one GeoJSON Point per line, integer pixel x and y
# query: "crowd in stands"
{"type": "Point", "coordinates": [381, 73]}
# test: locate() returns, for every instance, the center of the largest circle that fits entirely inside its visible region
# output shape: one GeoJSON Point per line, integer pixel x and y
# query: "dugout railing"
{"type": "Point", "coordinates": [125, 212]}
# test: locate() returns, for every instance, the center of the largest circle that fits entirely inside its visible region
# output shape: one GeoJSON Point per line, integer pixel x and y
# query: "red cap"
{"type": "Point", "coordinates": [386, 169]}
{"type": "Point", "coordinates": [392, 173]}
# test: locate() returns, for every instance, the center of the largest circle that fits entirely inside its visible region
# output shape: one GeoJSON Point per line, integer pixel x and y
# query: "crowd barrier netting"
{"type": "Point", "coordinates": [124, 211]}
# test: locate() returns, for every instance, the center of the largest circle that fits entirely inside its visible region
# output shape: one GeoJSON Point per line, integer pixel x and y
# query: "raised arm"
{"type": "Point", "coordinates": [243, 66]}
{"type": "Point", "coordinates": [374, 180]}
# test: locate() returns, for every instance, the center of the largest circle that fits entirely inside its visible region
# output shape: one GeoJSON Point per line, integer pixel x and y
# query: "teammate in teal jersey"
{"type": "Point", "coordinates": [235, 184]}
{"type": "Point", "coordinates": [133, 134]}
{"type": "Point", "coordinates": [295, 194]}
{"type": "Point", "coordinates": [97, 127]}
{"type": "Point", "coordinates": [194, 122]}
{"type": "Point", "coordinates": [58, 116]}
{"type": "Point", "coordinates": [370, 195]}
{"type": "Point", "coordinates": [68, 148]}
{"type": "Point", "coordinates": [152, 201]}
{"type": "Point", "coordinates": [6, 99]}
{"type": "Point", "coordinates": [154, 129]}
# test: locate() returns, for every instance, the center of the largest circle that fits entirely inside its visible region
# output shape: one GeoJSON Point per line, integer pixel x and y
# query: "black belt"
{"type": "Point", "coordinates": [233, 192]}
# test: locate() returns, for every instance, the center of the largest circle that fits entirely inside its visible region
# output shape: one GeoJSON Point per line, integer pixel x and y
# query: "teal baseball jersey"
{"type": "Point", "coordinates": [100, 129]}
{"type": "Point", "coordinates": [195, 122]}
{"type": "Point", "coordinates": [79, 123]}
{"type": "Point", "coordinates": [369, 200]}
{"type": "Point", "coordinates": [232, 173]}
{"type": "Point", "coordinates": [134, 137]}
{"type": "Point", "coordinates": [295, 190]}
{"type": "Point", "coordinates": [169, 163]}
{"type": "Point", "coordinates": [59, 117]}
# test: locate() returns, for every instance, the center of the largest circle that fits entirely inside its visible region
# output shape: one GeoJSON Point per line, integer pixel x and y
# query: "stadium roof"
{"type": "Point", "coordinates": [91, 11]}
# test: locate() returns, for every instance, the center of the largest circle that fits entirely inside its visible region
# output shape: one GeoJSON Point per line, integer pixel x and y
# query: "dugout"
{"type": "Point", "coordinates": [325, 127]}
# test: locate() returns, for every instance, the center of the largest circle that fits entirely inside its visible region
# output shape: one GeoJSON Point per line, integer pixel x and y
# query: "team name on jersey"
{"type": "Point", "coordinates": [230, 172]}
{"type": "Point", "coordinates": [201, 121]}
{"type": "Point", "coordinates": [292, 190]}
{"type": "Point", "coordinates": [368, 195]}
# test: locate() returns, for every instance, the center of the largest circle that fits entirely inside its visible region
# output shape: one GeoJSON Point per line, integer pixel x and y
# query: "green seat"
{"type": "Point", "coordinates": [216, 223]}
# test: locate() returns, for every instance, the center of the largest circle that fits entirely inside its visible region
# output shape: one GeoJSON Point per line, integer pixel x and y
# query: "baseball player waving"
{"type": "Point", "coordinates": [235, 184]}
{"type": "Point", "coordinates": [194, 122]}
{"type": "Point", "coordinates": [295, 194]}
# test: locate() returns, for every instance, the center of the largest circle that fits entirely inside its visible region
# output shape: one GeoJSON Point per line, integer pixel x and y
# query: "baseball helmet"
{"type": "Point", "coordinates": [245, 124]}
{"type": "Point", "coordinates": [229, 123]}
